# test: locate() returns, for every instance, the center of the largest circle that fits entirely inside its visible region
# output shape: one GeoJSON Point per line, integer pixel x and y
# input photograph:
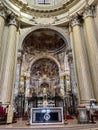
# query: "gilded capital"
{"type": "Point", "coordinates": [88, 12]}
{"type": "Point", "coordinates": [2, 10]}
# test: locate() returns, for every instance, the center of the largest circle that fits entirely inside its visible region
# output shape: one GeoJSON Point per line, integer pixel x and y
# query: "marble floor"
{"type": "Point", "coordinates": [69, 125]}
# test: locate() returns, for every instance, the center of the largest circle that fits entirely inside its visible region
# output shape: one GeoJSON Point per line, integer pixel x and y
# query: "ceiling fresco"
{"type": "Point", "coordinates": [43, 40]}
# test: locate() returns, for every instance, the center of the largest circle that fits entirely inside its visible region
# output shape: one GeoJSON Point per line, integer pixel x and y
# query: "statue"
{"type": "Point", "coordinates": [44, 91]}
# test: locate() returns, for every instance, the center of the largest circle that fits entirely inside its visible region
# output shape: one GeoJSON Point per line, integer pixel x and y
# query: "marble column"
{"type": "Point", "coordinates": [72, 73]}
{"type": "Point", "coordinates": [9, 66]}
{"type": "Point", "coordinates": [81, 64]}
{"type": "Point", "coordinates": [18, 72]}
{"type": "Point", "coordinates": [52, 87]}
{"type": "Point", "coordinates": [72, 61]}
{"type": "Point", "coordinates": [74, 92]}
{"type": "Point", "coordinates": [2, 24]}
{"type": "Point", "coordinates": [37, 86]}
{"type": "Point", "coordinates": [64, 81]}
{"type": "Point", "coordinates": [92, 46]}
{"type": "Point", "coordinates": [63, 91]}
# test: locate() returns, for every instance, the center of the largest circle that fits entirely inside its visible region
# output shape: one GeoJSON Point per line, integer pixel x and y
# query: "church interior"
{"type": "Point", "coordinates": [49, 64]}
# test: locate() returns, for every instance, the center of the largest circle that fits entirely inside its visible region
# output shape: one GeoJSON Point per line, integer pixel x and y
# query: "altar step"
{"type": "Point", "coordinates": [52, 127]}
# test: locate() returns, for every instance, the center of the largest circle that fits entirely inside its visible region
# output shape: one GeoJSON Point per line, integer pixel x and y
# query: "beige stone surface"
{"type": "Point", "coordinates": [7, 83]}
{"type": "Point", "coordinates": [82, 67]}
{"type": "Point", "coordinates": [92, 49]}
{"type": "Point", "coordinates": [10, 114]}
{"type": "Point", "coordinates": [2, 24]}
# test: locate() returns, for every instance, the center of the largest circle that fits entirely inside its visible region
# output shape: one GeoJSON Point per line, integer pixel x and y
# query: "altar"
{"type": "Point", "coordinates": [46, 115]}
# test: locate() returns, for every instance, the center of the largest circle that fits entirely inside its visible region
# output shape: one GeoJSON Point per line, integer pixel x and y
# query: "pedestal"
{"type": "Point", "coordinates": [82, 115]}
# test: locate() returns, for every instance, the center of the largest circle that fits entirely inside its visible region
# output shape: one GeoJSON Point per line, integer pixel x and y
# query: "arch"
{"type": "Point", "coordinates": [44, 84]}
{"type": "Point", "coordinates": [44, 56]}
{"type": "Point", "coordinates": [58, 30]}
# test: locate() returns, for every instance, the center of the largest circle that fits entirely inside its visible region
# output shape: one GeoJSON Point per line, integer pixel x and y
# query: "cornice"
{"type": "Point", "coordinates": [57, 15]}
{"type": "Point", "coordinates": [25, 7]}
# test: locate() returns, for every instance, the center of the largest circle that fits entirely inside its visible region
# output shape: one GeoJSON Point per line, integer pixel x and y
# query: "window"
{"type": "Point", "coordinates": [43, 1]}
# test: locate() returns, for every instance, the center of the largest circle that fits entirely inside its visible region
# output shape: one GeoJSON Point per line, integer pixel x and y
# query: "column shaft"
{"type": "Point", "coordinates": [9, 67]}
{"type": "Point", "coordinates": [72, 74]}
{"type": "Point", "coordinates": [37, 87]}
{"type": "Point", "coordinates": [52, 88]}
{"type": "Point", "coordinates": [2, 24]}
{"type": "Point", "coordinates": [73, 62]}
{"type": "Point", "coordinates": [92, 47]}
{"type": "Point", "coordinates": [82, 67]}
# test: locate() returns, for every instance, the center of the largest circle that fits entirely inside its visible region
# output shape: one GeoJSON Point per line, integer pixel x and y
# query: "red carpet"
{"type": "Point", "coordinates": [69, 117]}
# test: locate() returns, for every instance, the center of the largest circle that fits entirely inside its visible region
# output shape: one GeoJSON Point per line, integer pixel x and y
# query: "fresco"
{"type": "Point", "coordinates": [43, 40]}
{"type": "Point", "coordinates": [45, 67]}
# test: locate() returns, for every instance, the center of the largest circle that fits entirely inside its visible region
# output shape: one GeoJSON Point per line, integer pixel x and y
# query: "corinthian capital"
{"type": "Point", "coordinates": [75, 21]}
{"type": "Point", "coordinates": [1, 5]}
{"type": "Point", "coordinates": [2, 10]}
{"type": "Point", "coordinates": [88, 12]}
{"type": "Point", "coordinates": [12, 20]}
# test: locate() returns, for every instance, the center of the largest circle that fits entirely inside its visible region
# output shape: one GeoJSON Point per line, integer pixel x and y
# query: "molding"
{"type": "Point", "coordinates": [24, 6]}
{"type": "Point", "coordinates": [57, 15]}
{"type": "Point", "coordinates": [44, 55]}
{"type": "Point", "coordinates": [2, 10]}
